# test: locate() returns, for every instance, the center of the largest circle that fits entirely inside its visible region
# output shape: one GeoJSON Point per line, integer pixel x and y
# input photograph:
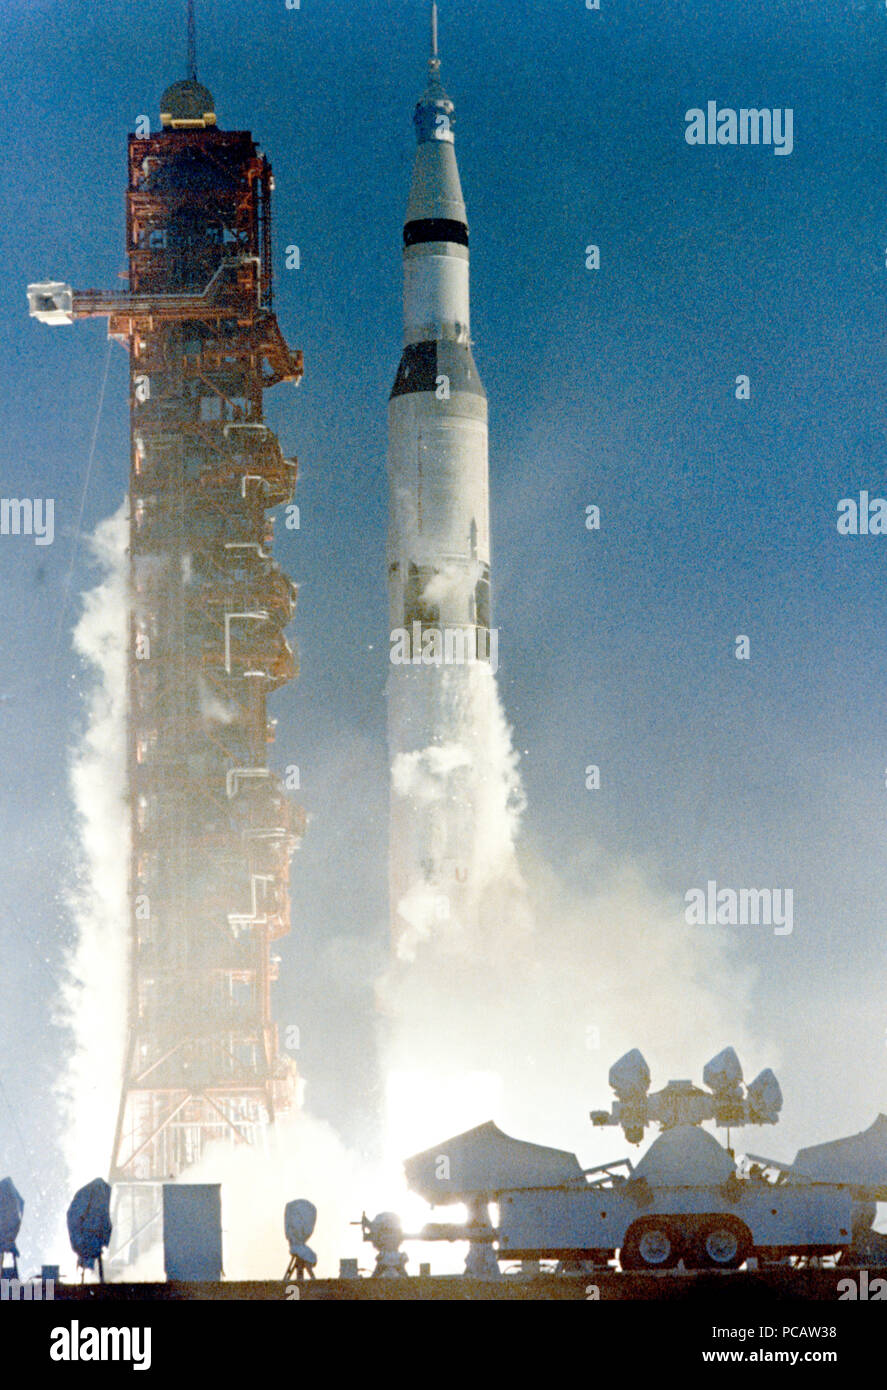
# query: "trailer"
{"type": "Point", "coordinates": [686, 1204]}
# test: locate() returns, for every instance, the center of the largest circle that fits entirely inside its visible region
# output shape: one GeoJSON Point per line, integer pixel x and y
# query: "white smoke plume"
{"type": "Point", "coordinates": [213, 709]}
{"type": "Point", "coordinates": [515, 1014]}
{"type": "Point", "coordinates": [304, 1158]}
{"type": "Point", "coordinates": [458, 800]}
{"type": "Point", "coordinates": [93, 1006]}
{"type": "Point", "coordinates": [525, 1010]}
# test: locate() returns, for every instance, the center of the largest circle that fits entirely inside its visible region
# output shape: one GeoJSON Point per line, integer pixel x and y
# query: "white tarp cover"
{"type": "Point", "coordinates": [685, 1157]}
{"type": "Point", "coordinates": [484, 1161]}
{"type": "Point", "coordinates": [860, 1160]}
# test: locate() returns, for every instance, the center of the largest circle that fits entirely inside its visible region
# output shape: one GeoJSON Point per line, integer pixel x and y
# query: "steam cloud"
{"type": "Point", "coordinates": [550, 980]}
{"type": "Point", "coordinates": [93, 1004]}
{"type": "Point", "coordinates": [518, 1001]}
{"type": "Point", "coordinates": [304, 1158]}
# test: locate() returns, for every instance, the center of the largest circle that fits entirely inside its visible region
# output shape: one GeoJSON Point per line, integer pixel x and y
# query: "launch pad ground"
{"type": "Point", "coordinates": [758, 1287]}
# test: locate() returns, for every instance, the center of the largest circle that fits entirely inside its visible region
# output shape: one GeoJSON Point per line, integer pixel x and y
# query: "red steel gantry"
{"type": "Point", "coordinates": [212, 829]}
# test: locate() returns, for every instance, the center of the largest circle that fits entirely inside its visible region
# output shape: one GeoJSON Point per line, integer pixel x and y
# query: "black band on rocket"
{"type": "Point", "coordinates": [423, 365]}
{"type": "Point", "coordinates": [435, 229]}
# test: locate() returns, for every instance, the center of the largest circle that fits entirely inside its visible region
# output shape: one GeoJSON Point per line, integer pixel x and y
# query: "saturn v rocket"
{"type": "Point", "coordinates": [442, 709]}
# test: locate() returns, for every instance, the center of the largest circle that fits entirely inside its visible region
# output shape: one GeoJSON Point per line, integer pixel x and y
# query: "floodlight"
{"type": "Point", "coordinates": [630, 1076]}
{"type": "Point", "coordinates": [723, 1073]}
{"type": "Point", "coordinates": [89, 1222]}
{"type": "Point", "coordinates": [764, 1099]}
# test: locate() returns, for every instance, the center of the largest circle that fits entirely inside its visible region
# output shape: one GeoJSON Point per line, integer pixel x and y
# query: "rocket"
{"type": "Point", "coordinates": [443, 652]}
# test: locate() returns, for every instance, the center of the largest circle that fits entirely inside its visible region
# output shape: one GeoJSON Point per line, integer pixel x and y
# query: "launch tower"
{"type": "Point", "coordinates": [212, 830]}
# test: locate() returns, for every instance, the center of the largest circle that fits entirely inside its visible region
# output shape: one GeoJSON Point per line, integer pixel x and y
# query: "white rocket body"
{"type": "Point", "coordinates": [441, 695]}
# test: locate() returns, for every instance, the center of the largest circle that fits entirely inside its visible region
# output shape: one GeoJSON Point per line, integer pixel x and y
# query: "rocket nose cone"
{"type": "Point", "coordinates": [436, 190]}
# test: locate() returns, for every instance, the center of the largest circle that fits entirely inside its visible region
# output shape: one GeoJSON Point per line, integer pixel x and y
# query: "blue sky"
{"type": "Point", "coordinates": [613, 387]}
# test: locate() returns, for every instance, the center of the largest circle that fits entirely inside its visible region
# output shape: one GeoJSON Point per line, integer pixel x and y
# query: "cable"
{"type": "Point", "coordinates": [66, 592]}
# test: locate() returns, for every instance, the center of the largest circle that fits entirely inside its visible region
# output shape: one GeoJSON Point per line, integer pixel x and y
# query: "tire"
{"type": "Point", "coordinates": [650, 1244]}
{"type": "Point", "coordinates": [721, 1242]}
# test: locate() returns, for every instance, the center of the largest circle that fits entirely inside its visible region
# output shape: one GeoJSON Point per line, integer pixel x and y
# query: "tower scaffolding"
{"type": "Point", "coordinates": [213, 830]}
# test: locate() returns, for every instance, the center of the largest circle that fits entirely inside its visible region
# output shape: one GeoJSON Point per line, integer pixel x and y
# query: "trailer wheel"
{"type": "Point", "coordinates": [722, 1243]}
{"type": "Point", "coordinates": [650, 1244]}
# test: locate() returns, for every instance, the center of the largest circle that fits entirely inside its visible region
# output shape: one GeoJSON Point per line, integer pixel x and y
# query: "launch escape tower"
{"type": "Point", "coordinates": [212, 829]}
